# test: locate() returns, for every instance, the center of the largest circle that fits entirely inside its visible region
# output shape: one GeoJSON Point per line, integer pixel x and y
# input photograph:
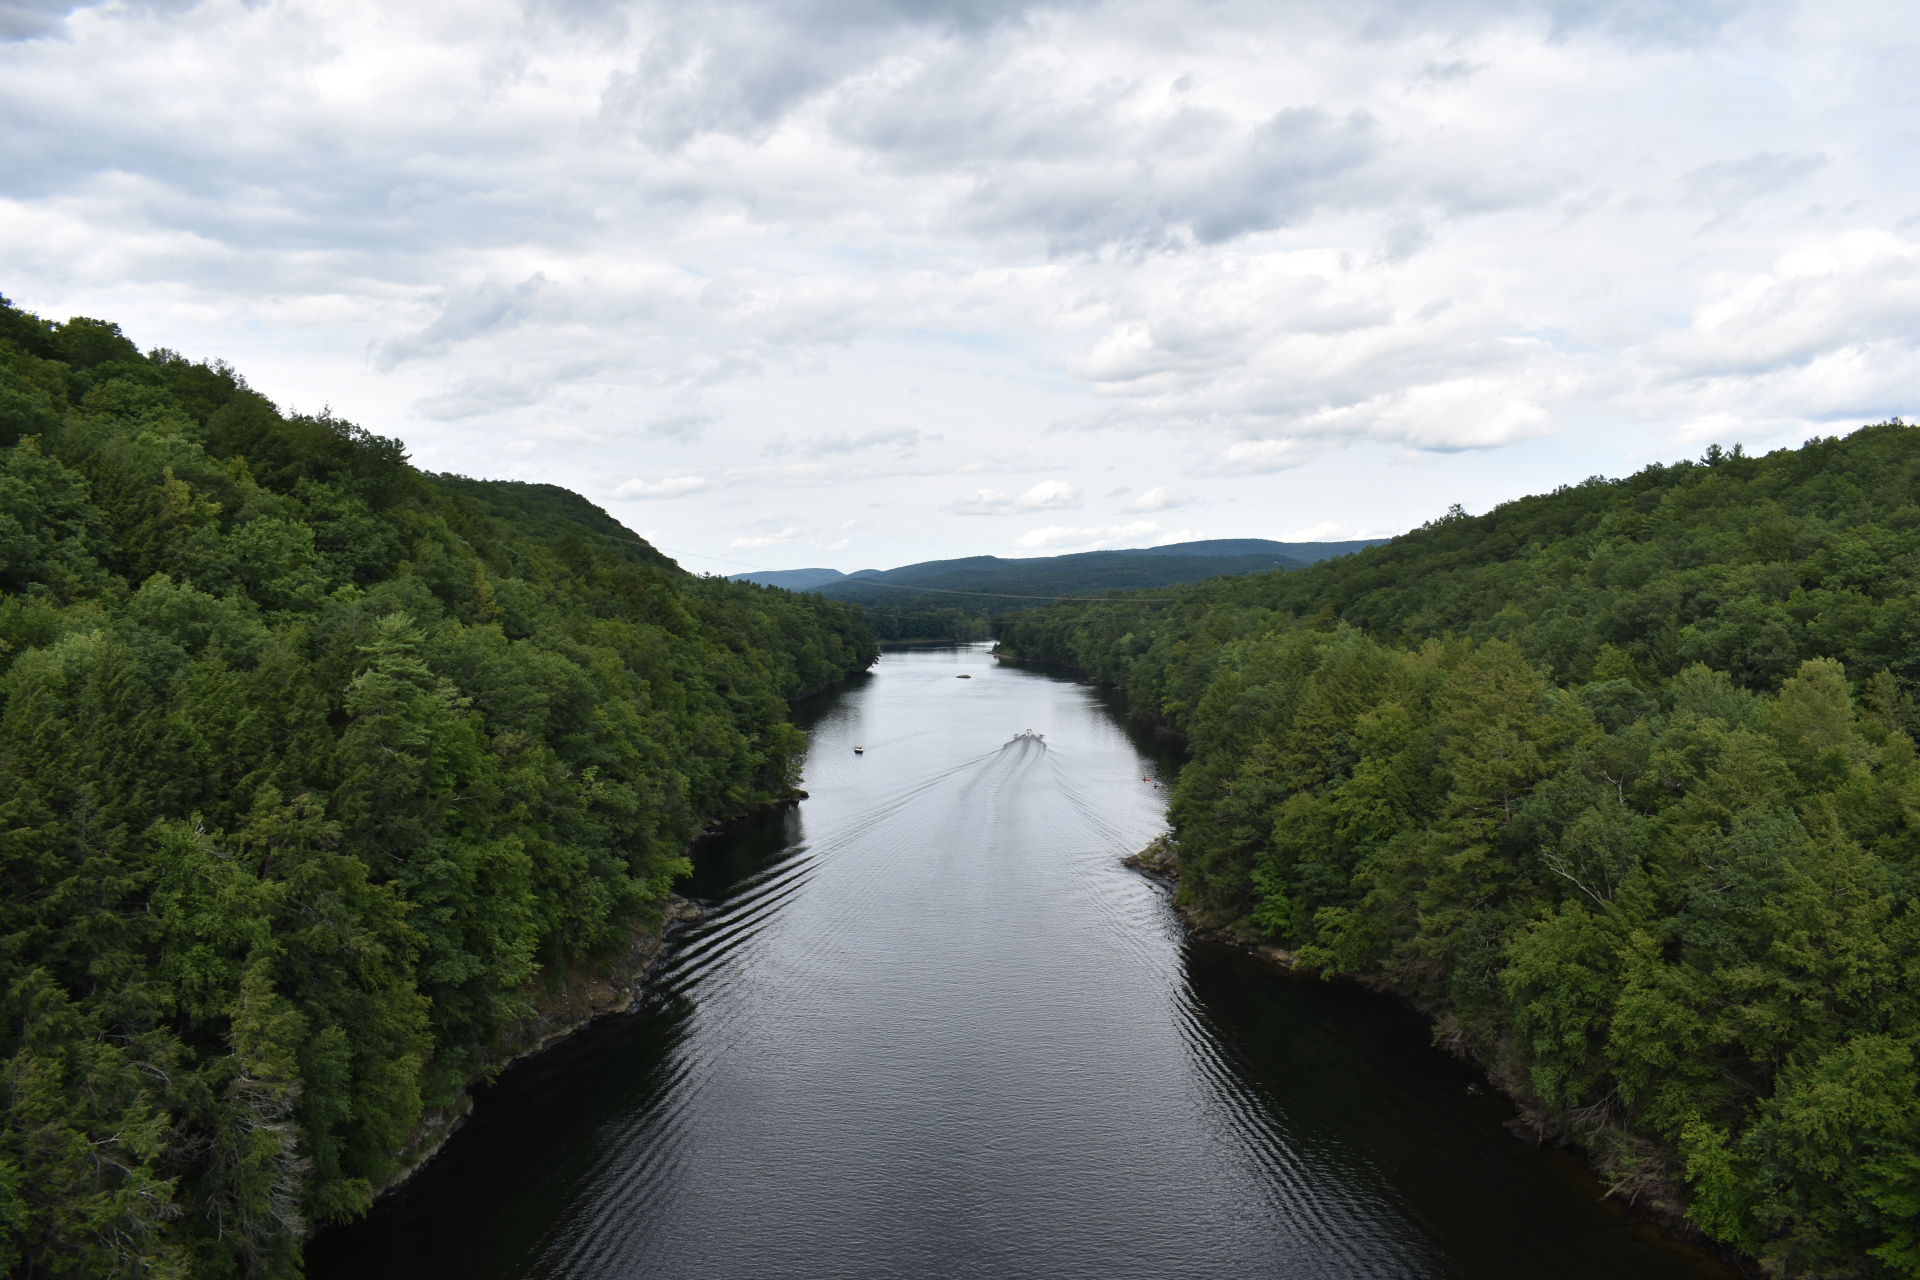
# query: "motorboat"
{"type": "Point", "coordinates": [859, 751]}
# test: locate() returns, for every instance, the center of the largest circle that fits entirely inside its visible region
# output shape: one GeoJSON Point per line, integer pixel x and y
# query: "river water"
{"type": "Point", "coordinates": [930, 1026]}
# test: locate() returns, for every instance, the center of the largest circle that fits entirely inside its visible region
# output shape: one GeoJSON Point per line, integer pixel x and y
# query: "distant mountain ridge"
{"type": "Point", "coordinates": [994, 584]}
{"type": "Point", "coordinates": [791, 579]}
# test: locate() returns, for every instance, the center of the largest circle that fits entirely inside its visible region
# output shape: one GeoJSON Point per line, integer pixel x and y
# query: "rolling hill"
{"type": "Point", "coordinates": [993, 584]}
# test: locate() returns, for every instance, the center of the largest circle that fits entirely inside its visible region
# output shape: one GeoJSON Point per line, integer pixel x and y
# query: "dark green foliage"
{"type": "Point", "coordinates": [311, 765]}
{"type": "Point", "coordinates": [1617, 783]}
{"type": "Point", "coordinates": [970, 584]}
{"type": "Point", "coordinates": [927, 624]}
{"type": "Point", "coordinates": [977, 578]}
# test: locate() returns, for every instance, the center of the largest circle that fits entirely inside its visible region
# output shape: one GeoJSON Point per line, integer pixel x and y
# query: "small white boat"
{"type": "Point", "coordinates": [859, 751]}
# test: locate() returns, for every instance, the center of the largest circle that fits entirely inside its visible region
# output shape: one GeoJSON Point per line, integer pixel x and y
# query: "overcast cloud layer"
{"type": "Point", "coordinates": [861, 282]}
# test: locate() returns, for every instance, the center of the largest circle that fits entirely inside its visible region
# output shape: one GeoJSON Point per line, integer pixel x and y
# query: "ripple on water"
{"type": "Point", "coordinates": [930, 1026]}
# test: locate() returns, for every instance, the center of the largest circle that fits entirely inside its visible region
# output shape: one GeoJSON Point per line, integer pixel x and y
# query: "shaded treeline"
{"type": "Point", "coordinates": [1616, 782]}
{"type": "Point", "coordinates": [957, 600]}
{"type": "Point", "coordinates": [312, 767]}
{"type": "Point", "coordinates": [910, 623]}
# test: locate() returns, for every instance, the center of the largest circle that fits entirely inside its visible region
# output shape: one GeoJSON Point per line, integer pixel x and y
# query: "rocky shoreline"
{"type": "Point", "coordinates": [1636, 1171]}
{"type": "Point", "coordinates": [589, 990]}
{"type": "Point", "coordinates": [1160, 861]}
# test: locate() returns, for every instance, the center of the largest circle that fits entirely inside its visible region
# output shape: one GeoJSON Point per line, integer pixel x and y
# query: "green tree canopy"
{"type": "Point", "coordinates": [312, 765]}
{"type": "Point", "coordinates": [1617, 783]}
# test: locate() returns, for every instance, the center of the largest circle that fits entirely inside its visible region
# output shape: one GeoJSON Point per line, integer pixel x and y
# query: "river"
{"type": "Point", "coordinates": [931, 1027]}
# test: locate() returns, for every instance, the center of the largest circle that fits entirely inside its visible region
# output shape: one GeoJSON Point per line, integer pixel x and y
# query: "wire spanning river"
{"type": "Point", "coordinates": [931, 1027]}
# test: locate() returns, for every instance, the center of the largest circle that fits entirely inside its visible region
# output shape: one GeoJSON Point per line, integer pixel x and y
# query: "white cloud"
{"type": "Point", "coordinates": [1327, 260]}
{"type": "Point", "coordinates": [1732, 183]}
{"type": "Point", "coordinates": [684, 428]}
{"type": "Point", "coordinates": [904, 440]}
{"type": "Point", "coordinates": [1161, 498]}
{"type": "Point", "coordinates": [766, 540]}
{"type": "Point", "coordinates": [1257, 457]}
{"type": "Point", "coordinates": [1048, 495]}
{"type": "Point", "coordinates": [479, 394]}
{"type": "Point", "coordinates": [1055, 538]}
{"type": "Point", "coordinates": [666, 487]}
{"type": "Point", "coordinates": [1333, 531]}
{"type": "Point", "coordinates": [464, 314]}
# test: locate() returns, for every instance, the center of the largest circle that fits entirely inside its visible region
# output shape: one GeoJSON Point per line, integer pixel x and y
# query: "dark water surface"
{"type": "Point", "coordinates": [930, 1026]}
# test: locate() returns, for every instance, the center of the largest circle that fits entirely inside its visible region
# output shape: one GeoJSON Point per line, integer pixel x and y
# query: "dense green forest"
{"type": "Point", "coordinates": [908, 623]}
{"type": "Point", "coordinates": [957, 600]}
{"type": "Point", "coordinates": [1619, 784]}
{"type": "Point", "coordinates": [954, 599]}
{"type": "Point", "coordinates": [312, 767]}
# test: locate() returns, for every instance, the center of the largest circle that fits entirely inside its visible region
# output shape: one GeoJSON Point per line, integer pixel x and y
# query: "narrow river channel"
{"type": "Point", "coordinates": [931, 1027]}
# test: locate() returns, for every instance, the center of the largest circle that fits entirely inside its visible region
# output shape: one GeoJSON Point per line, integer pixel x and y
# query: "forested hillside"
{"type": "Point", "coordinates": [956, 599]}
{"type": "Point", "coordinates": [312, 768]}
{"type": "Point", "coordinates": [1618, 783]}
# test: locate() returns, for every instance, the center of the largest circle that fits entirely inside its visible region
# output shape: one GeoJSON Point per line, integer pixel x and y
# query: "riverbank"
{"type": "Point", "coordinates": [559, 1008]}
{"type": "Point", "coordinates": [1638, 1173]}
{"type": "Point", "coordinates": [1160, 861]}
{"type": "Point", "coordinates": [929, 1024]}
{"type": "Point", "coordinates": [1161, 728]}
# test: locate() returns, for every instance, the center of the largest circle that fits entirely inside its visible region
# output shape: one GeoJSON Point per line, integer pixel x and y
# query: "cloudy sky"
{"type": "Point", "coordinates": [863, 282]}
